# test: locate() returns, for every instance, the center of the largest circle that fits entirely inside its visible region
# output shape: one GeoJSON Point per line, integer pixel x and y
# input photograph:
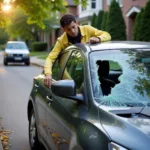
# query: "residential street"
{"type": "Point", "coordinates": [15, 86]}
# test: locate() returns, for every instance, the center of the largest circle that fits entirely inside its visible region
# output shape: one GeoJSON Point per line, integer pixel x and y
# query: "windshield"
{"type": "Point", "coordinates": [16, 46]}
{"type": "Point", "coordinates": [121, 77]}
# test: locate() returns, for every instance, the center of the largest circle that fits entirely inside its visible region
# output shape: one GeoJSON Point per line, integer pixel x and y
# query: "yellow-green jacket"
{"type": "Point", "coordinates": [62, 42]}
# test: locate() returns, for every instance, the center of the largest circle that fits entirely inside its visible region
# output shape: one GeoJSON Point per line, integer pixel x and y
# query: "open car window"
{"type": "Point", "coordinates": [58, 66]}
{"type": "Point", "coordinates": [74, 70]}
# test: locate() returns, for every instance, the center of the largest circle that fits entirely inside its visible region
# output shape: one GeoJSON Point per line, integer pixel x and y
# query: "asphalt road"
{"type": "Point", "coordinates": [15, 87]}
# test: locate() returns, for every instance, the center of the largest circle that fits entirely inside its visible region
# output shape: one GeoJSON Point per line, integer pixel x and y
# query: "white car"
{"type": "Point", "coordinates": [16, 51]}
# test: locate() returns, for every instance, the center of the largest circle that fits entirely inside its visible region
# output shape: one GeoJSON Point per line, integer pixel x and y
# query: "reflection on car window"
{"type": "Point", "coordinates": [58, 66]}
{"type": "Point", "coordinates": [129, 70]}
{"type": "Point", "coordinates": [74, 69]}
{"type": "Point", "coordinates": [16, 46]}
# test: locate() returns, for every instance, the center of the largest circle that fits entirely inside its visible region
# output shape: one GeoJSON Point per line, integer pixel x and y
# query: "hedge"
{"type": "Point", "coordinates": [39, 46]}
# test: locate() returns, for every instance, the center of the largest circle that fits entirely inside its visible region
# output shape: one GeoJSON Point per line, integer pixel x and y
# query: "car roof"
{"type": "Point", "coordinates": [112, 45]}
{"type": "Point", "coordinates": [119, 45]}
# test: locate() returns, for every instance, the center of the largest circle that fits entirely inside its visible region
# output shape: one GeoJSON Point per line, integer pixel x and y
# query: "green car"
{"type": "Point", "coordinates": [99, 99]}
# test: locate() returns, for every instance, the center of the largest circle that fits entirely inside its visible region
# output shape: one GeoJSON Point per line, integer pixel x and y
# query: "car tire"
{"type": "Point", "coordinates": [27, 63]}
{"type": "Point", "coordinates": [5, 63]}
{"type": "Point", "coordinates": [33, 138]}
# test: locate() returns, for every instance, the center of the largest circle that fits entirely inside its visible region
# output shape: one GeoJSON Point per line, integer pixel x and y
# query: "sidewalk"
{"type": "Point", "coordinates": [37, 61]}
{"type": "Point", "coordinates": [1, 147]}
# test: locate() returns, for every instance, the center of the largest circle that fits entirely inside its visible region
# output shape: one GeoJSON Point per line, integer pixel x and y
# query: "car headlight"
{"type": "Point", "coordinates": [26, 55]}
{"type": "Point", "coordinates": [114, 146]}
{"type": "Point", "coordinates": [7, 54]}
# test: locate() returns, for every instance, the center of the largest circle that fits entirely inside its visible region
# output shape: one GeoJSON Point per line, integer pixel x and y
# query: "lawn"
{"type": "Point", "coordinates": [41, 55]}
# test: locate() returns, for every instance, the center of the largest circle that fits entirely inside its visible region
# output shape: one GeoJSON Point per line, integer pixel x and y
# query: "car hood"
{"type": "Point", "coordinates": [17, 51]}
{"type": "Point", "coordinates": [128, 128]}
{"type": "Point", "coordinates": [141, 120]}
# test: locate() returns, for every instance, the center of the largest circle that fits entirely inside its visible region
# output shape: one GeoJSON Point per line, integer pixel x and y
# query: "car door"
{"type": "Point", "coordinates": [58, 129]}
{"type": "Point", "coordinates": [40, 104]}
{"type": "Point", "coordinates": [77, 110]}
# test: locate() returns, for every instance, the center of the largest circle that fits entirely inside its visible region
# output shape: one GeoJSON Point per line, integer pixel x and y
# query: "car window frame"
{"type": "Point", "coordinates": [61, 70]}
{"type": "Point", "coordinates": [85, 103]}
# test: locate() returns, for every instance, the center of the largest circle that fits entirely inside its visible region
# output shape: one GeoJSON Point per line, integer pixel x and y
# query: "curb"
{"type": "Point", "coordinates": [35, 64]}
{"type": "Point", "coordinates": [1, 146]}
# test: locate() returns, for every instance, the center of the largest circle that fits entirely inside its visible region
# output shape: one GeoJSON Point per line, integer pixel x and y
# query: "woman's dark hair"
{"type": "Point", "coordinates": [67, 19]}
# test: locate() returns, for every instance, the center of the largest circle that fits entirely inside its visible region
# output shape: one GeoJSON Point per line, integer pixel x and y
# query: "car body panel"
{"type": "Point", "coordinates": [58, 123]}
{"type": "Point", "coordinates": [124, 130]}
{"type": "Point", "coordinates": [39, 93]}
{"type": "Point", "coordinates": [80, 121]}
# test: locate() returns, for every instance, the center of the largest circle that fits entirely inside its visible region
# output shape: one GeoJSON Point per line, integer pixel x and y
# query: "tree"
{"type": "Point", "coordinates": [36, 10]}
{"type": "Point", "coordinates": [3, 36]}
{"type": "Point", "coordinates": [116, 24]}
{"type": "Point", "coordinates": [145, 21]}
{"type": "Point", "coordinates": [104, 21]}
{"type": "Point", "coordinates": [93, 21]}
{"type": "Point", "coordinates": [137, 26]}
{"type": "Point", "coordinates": [18, 27]}
{"type": "Point", "coordinates": [99, 19]}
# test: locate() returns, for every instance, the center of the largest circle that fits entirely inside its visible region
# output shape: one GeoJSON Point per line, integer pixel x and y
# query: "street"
{"type": "Point", "coordinates": [16, 84]}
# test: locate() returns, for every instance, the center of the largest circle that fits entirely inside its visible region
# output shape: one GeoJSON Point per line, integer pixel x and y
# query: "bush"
{"type": "Point", "coordinates": [39, 46]}
{"type": "Point", "coordinates": [116, 24]}
{"type": "Point", "coordinates": [99, 19]}
{"type": "Point", "coordinates": [3, 37]}
{"type": "Point", "coordinates": [104, 21]}
{"type": "Point", "coordinates": [2, 46]}
{"type": "Point", "coordinates": [136, 35]}
{"type": "Point", "coordinates": [93, 21]}
{"type": "Point", "coordinates": [145, 24]}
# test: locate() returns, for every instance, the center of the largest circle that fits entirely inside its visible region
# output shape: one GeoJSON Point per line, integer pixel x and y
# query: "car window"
{"type": "Point", "coordinates": [59, 66]}
{"type": "Point", "coordinates": [74, 69]}
{"type": "Point", "coordinates": [16, 46]}
{"type": "Point", "coordinates": [121, 77]}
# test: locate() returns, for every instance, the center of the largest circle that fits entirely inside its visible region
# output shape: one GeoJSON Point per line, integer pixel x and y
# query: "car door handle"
{"type": "Point", "coordinates": [49, 100]}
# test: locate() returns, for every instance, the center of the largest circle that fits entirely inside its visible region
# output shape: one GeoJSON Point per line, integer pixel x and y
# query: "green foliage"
{"type": "Point", "coordinates": [20, 28]}
{"type": "Point", "coordinates": [145, 24]}
{"type": "Point", "coordinates": [93, 21]}
{"type": "Point", "coordinates": [116, 24]}
{"type": "Point", "coordinates": [36, 10]}
{"type": "Point", "coordinates": [3, 36]}
{"type": "Point", "coordinates": [39, 46]}
{"type": "Point", "coordinates": [137, 26]}
{"type": "Point", "coordinates": [83, 2]}
{"type": "Point", "coordinates": [104, 21]}
{"type": "Point", "coordinates": [99, 19]}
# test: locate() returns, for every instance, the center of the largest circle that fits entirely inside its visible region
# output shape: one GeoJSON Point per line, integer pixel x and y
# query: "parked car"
{"type": "Point", "coordinates": [16, 51]}
{"type": "Point", "coordinates": [99, 99]}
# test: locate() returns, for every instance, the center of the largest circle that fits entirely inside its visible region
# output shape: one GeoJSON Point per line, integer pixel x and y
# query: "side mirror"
{"type": "Point", "coordinates": [66, 89]}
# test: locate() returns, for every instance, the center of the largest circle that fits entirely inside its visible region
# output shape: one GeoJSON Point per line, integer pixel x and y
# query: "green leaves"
{"type": "Point", "coordinates": [37, 11]}
{"type": "Point", "coordinates": [93, 21]}
{"type": "Point", "coordinates": [137, 26]}
{"type": "Point", "coordinates": [83, 2]}
{"type": "Point", "coordinates": [145, 21]}
{"type": "Point", "coordinates": [116, 24]}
